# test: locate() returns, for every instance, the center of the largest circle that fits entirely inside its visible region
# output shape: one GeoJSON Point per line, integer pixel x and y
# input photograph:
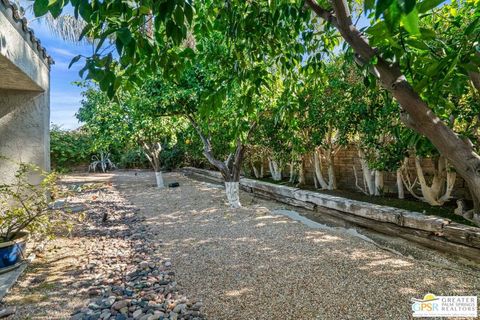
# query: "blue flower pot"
{"type": "Point", "coordinates": [12, 252]}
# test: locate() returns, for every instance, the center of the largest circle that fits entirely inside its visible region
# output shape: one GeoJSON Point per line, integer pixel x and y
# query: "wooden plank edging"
{"type": "Point", "coordinates": [372, 211]}
{"type": "Point", "coordinates": [440, 228]}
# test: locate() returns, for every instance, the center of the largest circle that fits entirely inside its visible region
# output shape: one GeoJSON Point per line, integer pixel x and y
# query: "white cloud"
{"type": "Point", "coordinates": [63, 66]}
{"type": "Point", "coordinates": [62, 52]}
{"type": "Point", "coordinates": [60, 99]}
{"type": "Point", "coordinates": [64, 116]}
{"type": "Point", "coordinates": [63, 106]}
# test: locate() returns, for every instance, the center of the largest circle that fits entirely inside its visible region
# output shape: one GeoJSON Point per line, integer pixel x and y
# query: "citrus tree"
{"type": "Point", "coordinates": [217, 105]}
{"type": "Point", "coordinates": [129, 120]}
{"type": "Point", "coordinates": [151, 132]}
{"type": "Point", "coordinates": [326, 103]}
{"type": "Point", "coordinates": [103, 120]}
{"type": "Point", "coordinates": [397, 45]}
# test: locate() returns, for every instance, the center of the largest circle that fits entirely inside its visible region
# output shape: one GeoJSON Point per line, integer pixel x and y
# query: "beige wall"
{"type": "Point", "coordinates": [24, 97]}
{"type": "Point", "coordinates": [347, 158]}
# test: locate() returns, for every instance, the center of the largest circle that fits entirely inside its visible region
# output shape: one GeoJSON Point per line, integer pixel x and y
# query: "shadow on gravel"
{"type": "Point", "coordinates": [106, 268]}
{"type": "Point", "coordinates": [252, 264]}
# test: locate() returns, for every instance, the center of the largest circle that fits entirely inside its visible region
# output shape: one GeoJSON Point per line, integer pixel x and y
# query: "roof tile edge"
{"type": "Point", "coordinates": [22, 24]}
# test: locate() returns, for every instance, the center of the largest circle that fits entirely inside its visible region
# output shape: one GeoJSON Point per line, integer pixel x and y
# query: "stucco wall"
{"type": "Point", "coordinates": [24, 97]}
{"type": "Point", "coordinates": [24, 134]}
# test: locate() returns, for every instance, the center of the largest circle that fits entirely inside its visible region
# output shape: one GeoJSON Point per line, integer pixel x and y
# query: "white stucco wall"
{"type": "Point", "coordinates": [24, 97]}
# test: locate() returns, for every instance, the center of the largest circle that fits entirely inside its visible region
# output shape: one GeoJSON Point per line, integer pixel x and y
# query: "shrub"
{"type": "Point", "coordinates": [24, 206]}
{"type": "Point", "coordinates": [133, 159]}
{"type": "Point", "coordinates": [69, 148]}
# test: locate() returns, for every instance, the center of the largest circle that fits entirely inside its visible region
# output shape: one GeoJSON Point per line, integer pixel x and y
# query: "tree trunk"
{"type": "Point", "coordinates": [275, 170]}
{"type": "Point", "coordinates": [442, 184]}
{"type": "Point", "coordinates": [230, 169]}
{"type": "Point", "coordinates": [418, 115]}
{"type": "Point", "coordinates": [292, 177]}
{"type": "Point", "coordinates": [159, 178]}
{"type": "Point", "coordinates": [368, 175]}
{"type": "Point", "coordinates": [400, 191]}
{"type": "Point", "coordinates": [317, 161]}
{"type": "Point", "coordinates": [378, 183]}
{"type": "Point", "coordinates": [301, 172]}
{"type": "Point", "coordinates": [102, 161]}
{"type": "Point", "coordinates": [233, 194]}
{"type": "Point", "coordinates": [261, 167]}
{"type": "Point", "coordinates": [152, 152]}
{"type": "Point", "coordinates": [255, 171]}
{"type": "Point", "coordinates": [332, 180]}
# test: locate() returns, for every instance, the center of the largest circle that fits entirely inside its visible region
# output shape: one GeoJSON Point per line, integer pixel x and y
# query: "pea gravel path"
{"type": "Point", "coordinates": [252, 264]}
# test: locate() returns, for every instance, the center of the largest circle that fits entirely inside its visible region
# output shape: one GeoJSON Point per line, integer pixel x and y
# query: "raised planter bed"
{"type": "Point", "coordinates": [434, 232]}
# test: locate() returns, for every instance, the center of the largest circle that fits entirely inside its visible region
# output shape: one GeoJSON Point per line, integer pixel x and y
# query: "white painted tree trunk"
{"type": "Point", "coordinates": [102, 163]}
{"type": "Point", "coordinates": [372, 179]}
{"type": "Point", "coordinates": [400, 191]}
{"type": "Point", "coordinates": [442, 184]}
{"type": "Point", "coordinates": [378, 182]}
{"type": "Point", "coordinates": [451, 177]}
{"type": "Point", "coordinates": [368, 175]}
{"type": "Point", "coordinates": [152, 153]}
{"type": "Point", "coordinates": [318, 170]}
{"type": "Point", "coordinates": [301, 172]}
{"type": "Point", "coordinates": [159, 178]}
{"type": "Point", "coordinates": [332, 180]}
{"type": "Point", "coordinates": [255, 171]}
{"type": "Point", "coordinates": [292, 172]}
{"type": "Point", "coordinates": [275, 170]}
{"type": "Point", "coordinates": [233, 195]}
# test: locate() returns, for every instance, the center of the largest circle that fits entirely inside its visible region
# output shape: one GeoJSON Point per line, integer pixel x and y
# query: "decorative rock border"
{"type": "Point", "coordinates": [431, 231]}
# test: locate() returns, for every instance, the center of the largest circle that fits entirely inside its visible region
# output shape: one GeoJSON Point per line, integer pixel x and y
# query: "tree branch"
{"type": "Point", "coordinates": [421, 117]}
{"type": "Point", "coordinates": [207, 151]}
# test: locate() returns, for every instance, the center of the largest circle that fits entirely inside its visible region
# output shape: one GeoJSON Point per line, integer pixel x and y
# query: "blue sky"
{"type": "Point", "coordinates": [65, 96]}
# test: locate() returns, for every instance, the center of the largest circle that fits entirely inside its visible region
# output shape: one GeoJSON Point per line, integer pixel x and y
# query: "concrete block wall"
{"type": "Point", "coordinates": [347, 158]}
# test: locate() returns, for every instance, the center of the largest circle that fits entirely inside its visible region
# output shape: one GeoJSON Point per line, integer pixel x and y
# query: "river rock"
{"type": "Point", "coordinates": [7, 312]}
{"type": "Point", "coordinates": [105, 314]}
{"type": "Point", "coordinates": [137, 314]}
{"type": "Point", "coordinates": [108, 302]}
{"type": "Point", "coordinates": [128, 277]}
{"type": "Point", "coordinates": [180, 308]}
{"type": "Point", "coordinates": [120, 304]}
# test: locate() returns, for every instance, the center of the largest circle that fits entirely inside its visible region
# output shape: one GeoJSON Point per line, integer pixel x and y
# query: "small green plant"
{"type": "Point", "coordinates": [24, 206]}
{"type": "Point", "coordinates": [101, 162]}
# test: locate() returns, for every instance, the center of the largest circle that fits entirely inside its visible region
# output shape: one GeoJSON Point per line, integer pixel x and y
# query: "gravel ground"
{"type": "Point", "coordinates": [108, 267]}
{"type": "Point", "coordinates": [252, 264]}
{"type": "Point", "coordinates": [239, 264]}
